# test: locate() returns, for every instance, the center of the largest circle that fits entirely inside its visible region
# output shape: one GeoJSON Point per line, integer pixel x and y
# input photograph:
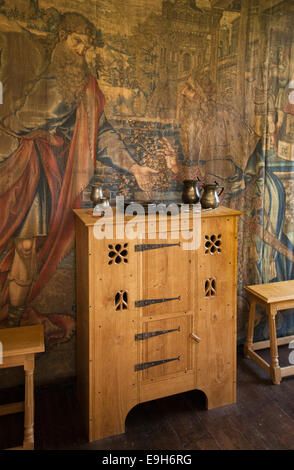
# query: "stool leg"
{"type": "Point", "coordinates": [28, 442]}
{"type": "Point", "coordinates": [250, 333]}
{"type": "Point", "coordinates": [275, 366]}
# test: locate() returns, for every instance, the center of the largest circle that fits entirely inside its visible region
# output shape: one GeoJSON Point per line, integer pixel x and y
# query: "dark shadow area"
{"type": "Point", "coordinates": [177, 422]}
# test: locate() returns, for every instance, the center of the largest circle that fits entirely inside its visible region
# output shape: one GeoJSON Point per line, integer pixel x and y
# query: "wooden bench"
{"type": "Point", "coordinates": [19, 346]}
{"type": "Point", "coordinates": [274, 297]}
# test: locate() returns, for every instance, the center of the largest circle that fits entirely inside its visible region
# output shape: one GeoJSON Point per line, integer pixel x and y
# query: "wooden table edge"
{"type": "Point", "coordinates": [24, 352]}
{"type": "Point", "coordinates": [270, 300]}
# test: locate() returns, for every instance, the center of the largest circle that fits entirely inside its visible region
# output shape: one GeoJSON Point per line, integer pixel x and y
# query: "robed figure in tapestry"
{"type": "Point", "coordinates": [57, 131]}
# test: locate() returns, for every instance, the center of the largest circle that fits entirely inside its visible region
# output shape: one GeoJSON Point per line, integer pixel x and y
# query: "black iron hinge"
{"type": "Point", "coordinates": [154, 246]}
{"type": "Point", "coordinates": [146, 365]}
{"type": "Point", "coordinates": [151, 334]}
{"type": "Point", "coordinates": [146, 302]}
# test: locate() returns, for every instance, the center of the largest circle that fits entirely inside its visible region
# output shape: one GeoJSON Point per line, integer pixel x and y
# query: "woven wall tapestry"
{"type": "Point", "coordinates": [138, 96]}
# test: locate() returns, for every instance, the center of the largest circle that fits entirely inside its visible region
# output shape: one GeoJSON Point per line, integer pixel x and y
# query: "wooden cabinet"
{"type": "Point", "coordinates": [154, 319]}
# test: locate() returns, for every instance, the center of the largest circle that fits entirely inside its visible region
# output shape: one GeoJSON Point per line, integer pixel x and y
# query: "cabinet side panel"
{"type": "Point", "coordinates": [234, 302]}
{"type": "Point", "coordinates": [114, 274]}
{"type": "Point", "coordinates": [115, 377]}
{"type": "Point", "coordinates": [83, 338]}
{"type": "Point", "coordinates": [216, 314]}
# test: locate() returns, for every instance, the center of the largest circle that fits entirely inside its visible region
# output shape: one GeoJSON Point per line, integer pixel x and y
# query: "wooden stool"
{"type": "Point", "coordinates": [19, 346]}
{"type": "Point", "coordinates": [274, 297]}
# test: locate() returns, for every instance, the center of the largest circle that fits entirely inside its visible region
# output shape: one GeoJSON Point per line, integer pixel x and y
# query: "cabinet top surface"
{"type": "Point", "coordinates": [86, 215]}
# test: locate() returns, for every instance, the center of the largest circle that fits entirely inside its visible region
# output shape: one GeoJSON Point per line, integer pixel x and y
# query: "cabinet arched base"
{"type": "Point", "coordinates": [110, 425]}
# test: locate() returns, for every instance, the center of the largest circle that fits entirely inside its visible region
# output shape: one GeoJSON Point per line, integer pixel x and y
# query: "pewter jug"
{"type": "Point", "coordinates": [190, 193]}
{"type": "Point", "coordinates": [96, 195]}
{"type": "Point", "coordinates": [210, 196]}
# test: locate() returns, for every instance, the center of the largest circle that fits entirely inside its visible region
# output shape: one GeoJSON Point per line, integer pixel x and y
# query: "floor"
{"type": "Point", "coordinates": [262, 418]}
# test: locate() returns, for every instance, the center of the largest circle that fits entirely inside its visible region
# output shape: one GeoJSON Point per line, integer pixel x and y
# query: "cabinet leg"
{"type": "Point", "coordinates": [102, 430]}
{"type": "Point", "coordinates": [220, 397]}
{"type": "Point", "coordinates": [109, 420]}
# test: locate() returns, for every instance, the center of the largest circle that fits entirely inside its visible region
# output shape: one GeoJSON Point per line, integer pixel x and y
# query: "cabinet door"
{"type": "Point", "coordinates": [166, 277]}
{"type": "Point", "coordinates": [166, 347]}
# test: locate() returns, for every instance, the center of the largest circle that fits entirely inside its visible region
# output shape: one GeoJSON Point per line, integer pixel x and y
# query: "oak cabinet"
{"type": "Point", "coordinates": [154, 319]}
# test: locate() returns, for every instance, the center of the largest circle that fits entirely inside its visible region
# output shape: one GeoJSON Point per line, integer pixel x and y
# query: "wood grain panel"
{"type": "Point", "coordinates": [115, 387]}
{"type": "Point", "coordinates": [84, 318]}
{"type": "Point", "coordinates": [166, 274]}
{"type": "Point", "coordinates": [110, 277]}
{"type": "Point", "coordinates": [169, 345]}
{"type": "Point", "coordinates": [215, 320]}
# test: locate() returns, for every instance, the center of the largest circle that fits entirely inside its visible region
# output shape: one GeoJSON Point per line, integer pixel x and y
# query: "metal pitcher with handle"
{"type": "Point", "coordinates": [96, 195]}
{"type": "Point", "coordinates": [190, 194]}
{"type": "Point", "coordinates": [210, 196]}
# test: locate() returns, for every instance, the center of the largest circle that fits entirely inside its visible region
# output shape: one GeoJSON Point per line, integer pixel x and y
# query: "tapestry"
{"type": "Point", "coordinates": [139, 95]}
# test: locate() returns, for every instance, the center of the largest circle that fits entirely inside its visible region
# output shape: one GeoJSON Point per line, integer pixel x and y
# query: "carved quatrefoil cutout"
{"type": "Point", "coordinates": [118, 253]}
{"type": "Point", "coordinates": [213, 244]}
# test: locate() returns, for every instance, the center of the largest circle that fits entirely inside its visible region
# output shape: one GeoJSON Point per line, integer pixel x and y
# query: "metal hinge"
{"type": "Point", "coordinates": [146, 365]}
{"type": "Point", "coordinates": [144, 303]}
{"type": "Point", "coordinates": [150, 334]}
{"type": "Point", "coordinates": [154, 246]}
